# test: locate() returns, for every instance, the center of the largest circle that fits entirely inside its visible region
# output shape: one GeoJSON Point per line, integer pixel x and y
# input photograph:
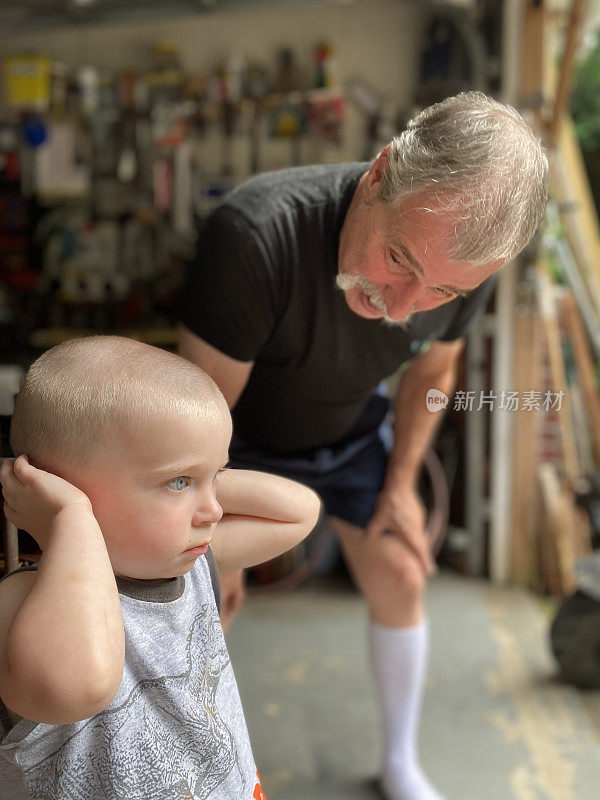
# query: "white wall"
{"type": "Point", "coordinates": [375, 40]}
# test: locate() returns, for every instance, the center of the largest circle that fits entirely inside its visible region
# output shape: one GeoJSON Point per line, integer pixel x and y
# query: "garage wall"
{"type": "Point", "coordinates": [375, 40]}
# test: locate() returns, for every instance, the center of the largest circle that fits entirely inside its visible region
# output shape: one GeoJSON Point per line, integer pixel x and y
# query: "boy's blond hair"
{"type": "Point", "coordinates": [83, 396]}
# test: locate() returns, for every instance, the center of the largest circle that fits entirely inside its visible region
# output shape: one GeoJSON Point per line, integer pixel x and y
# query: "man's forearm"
{"type": "Point", "coordinates": [414, 424]}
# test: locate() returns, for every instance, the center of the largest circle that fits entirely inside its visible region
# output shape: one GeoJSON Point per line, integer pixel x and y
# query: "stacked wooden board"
{"type": "Point", "coordinates": [556, 436]}
{"type": "Point", "coordinates": [557, 344]}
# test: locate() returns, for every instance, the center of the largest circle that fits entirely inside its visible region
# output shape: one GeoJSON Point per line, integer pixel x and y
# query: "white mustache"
{"type": "Point", "coordinates": [345, 282]}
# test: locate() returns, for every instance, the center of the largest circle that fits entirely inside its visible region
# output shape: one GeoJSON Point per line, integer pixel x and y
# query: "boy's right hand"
{"type": "Point", "coordinates": [33, 498]}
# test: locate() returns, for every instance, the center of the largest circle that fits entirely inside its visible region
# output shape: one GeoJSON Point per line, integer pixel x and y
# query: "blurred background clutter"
{"type": "Point", "coordinates": [123, 124]}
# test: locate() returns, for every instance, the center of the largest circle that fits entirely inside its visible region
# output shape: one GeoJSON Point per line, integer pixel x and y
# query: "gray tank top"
{"type": "Point", "coordinates": [174, 731]}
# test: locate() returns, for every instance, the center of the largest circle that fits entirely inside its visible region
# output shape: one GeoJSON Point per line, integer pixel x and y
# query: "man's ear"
{"type": "Point", "coordinates": [377, 168]}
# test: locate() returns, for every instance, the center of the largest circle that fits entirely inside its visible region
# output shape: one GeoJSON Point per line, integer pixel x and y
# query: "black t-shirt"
{"type": "Point", "coordinates": [262, 288]}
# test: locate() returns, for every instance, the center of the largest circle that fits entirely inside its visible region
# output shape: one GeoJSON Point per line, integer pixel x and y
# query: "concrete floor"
{"type": "Point", "coordinates": [496, 724]}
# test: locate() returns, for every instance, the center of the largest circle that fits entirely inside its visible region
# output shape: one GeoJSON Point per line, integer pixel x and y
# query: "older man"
{"type": "Point", "coordinates": [313, 284]}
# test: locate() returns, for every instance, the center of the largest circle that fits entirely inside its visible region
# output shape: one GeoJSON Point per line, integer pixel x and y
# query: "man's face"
{"type": "Point", "coordinates": [155, 502]}
{"type": "Point", "coordinates": [392, 260]}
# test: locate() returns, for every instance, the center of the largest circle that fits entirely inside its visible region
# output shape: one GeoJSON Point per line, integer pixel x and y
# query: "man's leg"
{"type": "Point", "coordinates": [392, 582]}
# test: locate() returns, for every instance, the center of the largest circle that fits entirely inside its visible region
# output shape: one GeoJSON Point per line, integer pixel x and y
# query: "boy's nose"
{"type": "Point", "coordinates": [208, 512]}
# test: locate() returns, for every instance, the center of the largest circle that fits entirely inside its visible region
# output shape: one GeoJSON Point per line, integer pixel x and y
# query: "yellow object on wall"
{"type": "Point", "coordinates": [26, 81]}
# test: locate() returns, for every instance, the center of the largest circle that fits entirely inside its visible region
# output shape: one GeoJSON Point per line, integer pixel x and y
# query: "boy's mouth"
{"type": "Point", "coordinates": [197, 551]}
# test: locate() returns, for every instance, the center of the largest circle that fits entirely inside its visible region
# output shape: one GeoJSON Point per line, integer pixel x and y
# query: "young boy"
{"type": "Point", "coordinates": [115, 680]}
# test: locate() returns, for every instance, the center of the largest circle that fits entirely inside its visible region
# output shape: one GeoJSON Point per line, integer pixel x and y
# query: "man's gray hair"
{"type": "Point", "coordinates": [477, 159]}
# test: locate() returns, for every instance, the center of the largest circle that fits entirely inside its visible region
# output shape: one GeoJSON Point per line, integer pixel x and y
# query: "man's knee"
{"type": "Point", "coordinates": [406, 574]}
{"type": "Point", "coordinates": [382, 567]}
{"type": "Point", "coordinates": [395, 593]}
{"type": "Point", "coordinates": [397, 579]}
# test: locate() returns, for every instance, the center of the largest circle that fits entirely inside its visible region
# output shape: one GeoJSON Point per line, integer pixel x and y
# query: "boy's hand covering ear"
{"type": "Point", "coordinates": [34, 498]}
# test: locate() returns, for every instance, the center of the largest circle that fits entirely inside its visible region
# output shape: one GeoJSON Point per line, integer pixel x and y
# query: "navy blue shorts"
{"type": "Point", "coordinates": [347, 475]}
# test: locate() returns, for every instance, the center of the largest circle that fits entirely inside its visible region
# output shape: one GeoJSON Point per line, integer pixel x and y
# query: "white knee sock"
{"type": "Point", "coordinates": [399, 659]}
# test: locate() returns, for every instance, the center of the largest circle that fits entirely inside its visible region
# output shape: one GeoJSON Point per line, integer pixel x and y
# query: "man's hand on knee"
{"type": "Point", "coordinates": [401, 513]}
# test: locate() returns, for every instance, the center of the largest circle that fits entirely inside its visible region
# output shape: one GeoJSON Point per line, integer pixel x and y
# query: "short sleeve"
{"type": "Point", "coordinates": [213, 570]}
{"type": "Point", "coordinates": [229, 295]}
{"type": "Point", "coordinates": [468, 310]}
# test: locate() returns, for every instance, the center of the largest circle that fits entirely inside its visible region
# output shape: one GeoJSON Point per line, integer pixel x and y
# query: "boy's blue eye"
{"type": "Point", "coordinates": [178, 484]}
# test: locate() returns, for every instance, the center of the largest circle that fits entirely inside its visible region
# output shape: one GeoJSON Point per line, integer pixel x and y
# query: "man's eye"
{"type": "Point", "coordinates": [445, 293]}
{"type": "Point", "coordinates": [178, 484]}
{"type": "Point", "coordinates": [399, 263]}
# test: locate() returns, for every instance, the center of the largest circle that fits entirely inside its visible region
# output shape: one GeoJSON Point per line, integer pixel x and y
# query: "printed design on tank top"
{"type": "Point", "coordinates": [166, 741]}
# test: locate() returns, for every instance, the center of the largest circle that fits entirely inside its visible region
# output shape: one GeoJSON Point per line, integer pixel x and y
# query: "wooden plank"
{"type": "Point", "coordinates": [559, 379]}
{"type": "Point", "coordinates": [566, 544]}
{"type": "Point", "coordinates": [589, 316]}
{"type": "Point", "coordinates": [583, 533]}
{"type": "Point", "coordinates": [549, 486]}
{"type": "Point", "coordinates": [533, 58]}
{"type": "Point", "coordinates": [560, 533]}
{"type": "Point", "coordinates": [566, 68]}
{"type": "Point", "coordinates": [581, 428]}
{"type": "Point", "coordinates": [585, 367]}
{"type": "Point", "coordinates": [571, 187]}
{"type": "Point", "coordinates": [524, 558]}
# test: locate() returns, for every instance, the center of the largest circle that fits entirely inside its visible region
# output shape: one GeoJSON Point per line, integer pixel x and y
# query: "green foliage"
{"type": "Point", "coordinates": [585, 98]}
{"type": "Point", "coordinates": [555, 267]}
